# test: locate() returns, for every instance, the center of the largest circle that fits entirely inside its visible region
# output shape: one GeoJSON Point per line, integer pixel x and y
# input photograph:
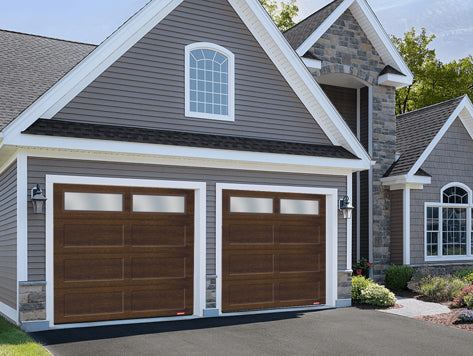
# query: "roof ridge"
{"type": "Point", "coordinates": [48, 37]}
{"type": "Point", "coordinates": [429, 106]}
{"type": "Point", "coordinates": [308, 17]}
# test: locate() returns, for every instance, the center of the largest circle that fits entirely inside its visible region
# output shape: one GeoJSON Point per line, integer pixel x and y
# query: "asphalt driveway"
{"type": "Point", "coordinates": [349, 331]}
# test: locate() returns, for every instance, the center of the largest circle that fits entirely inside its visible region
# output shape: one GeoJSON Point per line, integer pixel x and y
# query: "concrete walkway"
{"type": "Point", "coordinates": [413, 308]}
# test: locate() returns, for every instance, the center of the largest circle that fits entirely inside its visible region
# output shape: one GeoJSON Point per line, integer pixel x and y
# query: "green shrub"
{"type": "Point", "coordinates": [469, 278]}
{"type": "Point", "coordinates": [359, 284]}
{"type": "Point", "coordinates": [362, 268]}
{"type": "Point", "coordinates": [378, 295]}
{"type": "Point", "coordinates": [469, 301]}
{"type": "Point", "coordinates": [463, 272]}
{"type": "Point", "coordinates": [441, 288]}
{"type": "Point", "coordinates": [397, 277]}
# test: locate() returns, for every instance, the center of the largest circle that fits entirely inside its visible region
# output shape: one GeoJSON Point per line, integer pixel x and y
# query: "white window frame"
{"type": "Point", "coordinates": [231, 81]}
{"type": "Point", "coordinates": [441, 205]}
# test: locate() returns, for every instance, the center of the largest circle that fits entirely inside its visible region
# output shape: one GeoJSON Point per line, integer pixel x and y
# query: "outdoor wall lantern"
{"type": "Point", "coordinates": [38, 199]}
{"type": "Point", "coordinates": [345, 206]}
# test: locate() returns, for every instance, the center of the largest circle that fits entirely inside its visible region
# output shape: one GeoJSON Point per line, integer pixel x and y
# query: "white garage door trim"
{"type": "Point", "coordinates": [331, 233]}
{"type": "Point", "coordinates": [199, 249]}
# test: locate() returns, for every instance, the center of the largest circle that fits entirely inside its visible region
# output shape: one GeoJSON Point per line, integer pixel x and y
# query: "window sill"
{"type": "Point", "coordinates": [209, 116]}
{"type": "Point", "coordinates": [448, 259]}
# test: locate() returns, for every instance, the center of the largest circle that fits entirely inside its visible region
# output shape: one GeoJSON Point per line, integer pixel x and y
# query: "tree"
{"type": "Point", "coordinates": [433, 81]}
{"type": "Point", "coordinates": [282, 14]}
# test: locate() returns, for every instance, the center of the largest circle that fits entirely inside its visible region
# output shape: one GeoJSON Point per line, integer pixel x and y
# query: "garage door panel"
{"type": "Point", "coordinates": [301, 234]}
{"type": "Point", "coordinates": [251, 264]}
{"type": "Point", "coordinates": [169, 301]}
{"type": "Point", "coordinates": [300, 262]}
{"type": "Point", "coordinates": [99, 269]}
{"type": "Point", "coordinates": [250, 232]}
{"type": "Point", "coordinates": [159, 235]}
{"type": "Point", "coordinates": [93, 303]}
{"type": "Point", "coordinates": [158, 268]}
{"type": "Point", "coordinates": [250, 295]}
{"type": "Point", "coordinates": [93, 235]}
{"type": "Point", "coordinates": [301, 292]}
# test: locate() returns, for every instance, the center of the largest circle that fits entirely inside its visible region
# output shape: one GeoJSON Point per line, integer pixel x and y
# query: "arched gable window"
{"type": "Point", "coordinates": [209, 81]}
{"type": "Point", "coordinates": [448, 225]}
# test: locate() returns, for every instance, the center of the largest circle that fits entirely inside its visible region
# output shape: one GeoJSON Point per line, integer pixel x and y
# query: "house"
{"type": "Point", "coordinates": [187, 161]}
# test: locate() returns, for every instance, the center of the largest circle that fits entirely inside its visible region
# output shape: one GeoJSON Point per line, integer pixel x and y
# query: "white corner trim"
{"type": "Point", "coordinates": [403, 181]}
{"type": "Point", "coordinates": [22, 217]}
{"type": "Point", "coordinates": [394, 80]}
{"type": "Point", "coordinates": [349, 224]}
{"type": "Point", "coordinates": [406, 216]}
{"type": "Point", "coordinates": [94, 64]}
{"type": "Point", "coordinates": [9, 312]}
{"type": "Point", "coordinates": [331, 232]}
{"type": "Point", "coordinates": [467, 122]}
{"type": "Point", "coordinates": [312, 64]}
{"type": "Point", "coordinates": [329, 21]}
{"type": "Point", "coordinates": [200, 189]}
{"type": "Point", "coordinates": [231, 81]}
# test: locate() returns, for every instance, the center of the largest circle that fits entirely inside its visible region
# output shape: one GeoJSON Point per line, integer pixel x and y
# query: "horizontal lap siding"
{"type": "Point", "coordinates": [145, 87]}
{"type": "Point", "coordinates": [450, 161]}
{"type": "Point", "coordinates": [38, 168]}
{"type": "Point", "coordinates": [8, 243]}
{"type": "Point", "coordinates": [397, 227]}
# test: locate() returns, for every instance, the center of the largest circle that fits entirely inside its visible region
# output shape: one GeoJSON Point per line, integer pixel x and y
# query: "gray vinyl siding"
{"type": "Point", "coordinates": [145, 87]}
{"type": "Point", "coordinates": [8, 229]}
{"type": "Point", "coordinates": [38, 168]}
{"type": "Point", "coordinates": [397, 227]}
{"type": "Point", "coordinates": [450, 161]}
{"type": "Point", "coordinates": [364, 177]}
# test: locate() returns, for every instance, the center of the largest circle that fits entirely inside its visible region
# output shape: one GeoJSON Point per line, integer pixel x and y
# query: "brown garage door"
{"type": "Point", "coordinates": [122, 253]}
{"type": "Point", "coordinates": [273, 250]}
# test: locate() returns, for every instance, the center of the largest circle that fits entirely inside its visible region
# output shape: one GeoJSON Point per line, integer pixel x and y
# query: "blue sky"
{"type": "Point", "coordinates": [92, 21]}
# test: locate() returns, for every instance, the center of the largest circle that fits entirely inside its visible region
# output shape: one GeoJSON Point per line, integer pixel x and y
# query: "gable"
{"type": "Point", "coordinates": [345, 48]}
{"type": "Point", "coordinates": [145, 87]}
{"type": "Point", "coordinates": [450, 160]}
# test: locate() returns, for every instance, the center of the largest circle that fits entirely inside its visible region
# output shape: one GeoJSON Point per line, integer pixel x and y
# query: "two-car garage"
{"type": "Point", "coordinates": [123, 252]}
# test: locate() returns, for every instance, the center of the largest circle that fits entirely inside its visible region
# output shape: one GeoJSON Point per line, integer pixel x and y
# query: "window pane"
{"type": "Point", "coordinates": [432, 231]}
{"type": "Point", "coordinates": [251, 205]}
{"type": "Point", "coordinates": [158, 204]}
{"type": "Point", "coordinates": [304, 207]}
{"type": "Point", "coordinates": [455, 195]}
{"type": "Point", "coordinates": [93, 202]}
{"type": "Point", "coordinates": [454, 231]}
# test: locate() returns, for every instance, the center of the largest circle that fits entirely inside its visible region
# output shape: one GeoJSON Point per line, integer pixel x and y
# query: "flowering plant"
{"type": "Point", "coordinates": [466, 315]}
{"type": "Point", "coordinates": [459, 300]}
{"type": "Point", "coordinates": [362, 268]}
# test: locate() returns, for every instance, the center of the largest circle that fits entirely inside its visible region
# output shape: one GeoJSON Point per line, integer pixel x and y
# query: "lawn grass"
{"type": "Point", "coordinates": [14, 341]}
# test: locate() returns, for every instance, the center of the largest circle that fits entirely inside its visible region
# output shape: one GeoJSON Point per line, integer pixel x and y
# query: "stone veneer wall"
{"type": "Point", "coordinates": [32, 301]}
{"type": "Point", "coordinates": [344, 285]}
{"type": "Point", "coordinates": [344, 48]}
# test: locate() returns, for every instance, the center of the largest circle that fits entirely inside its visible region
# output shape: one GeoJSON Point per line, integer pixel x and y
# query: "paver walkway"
{"type": "Point", "coordinates": [413, 308]}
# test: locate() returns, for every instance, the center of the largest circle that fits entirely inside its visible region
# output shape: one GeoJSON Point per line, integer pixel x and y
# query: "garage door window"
{"type": "Point", "coordinates": [299, 207]}
{"type": "Point", "coordinates": [251, 205]}
{"type": "Point", "coordinates": [158, 204]}
{"type": "Point", "coordinates": [93, 202]}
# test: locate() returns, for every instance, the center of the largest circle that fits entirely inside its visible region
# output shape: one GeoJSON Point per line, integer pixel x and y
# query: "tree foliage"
{"type": "Point", "coordinates": [433, 81]}
{"type": "Point", "coordinates": [283, 13]}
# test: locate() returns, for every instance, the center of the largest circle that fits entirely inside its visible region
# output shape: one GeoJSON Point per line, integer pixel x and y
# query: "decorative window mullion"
{"type": "Point", "coordinates": [440, 237]}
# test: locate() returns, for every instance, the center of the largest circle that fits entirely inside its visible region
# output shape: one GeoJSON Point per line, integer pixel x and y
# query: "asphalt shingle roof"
{"type": "Point", "coordinates": [61, 128]}
{"type": "Point", "coordinates": [297, 34]}
{"type": "Point", "coordinates": [29, 66]}
{"type": "Point", "coordinates": [416, 130]}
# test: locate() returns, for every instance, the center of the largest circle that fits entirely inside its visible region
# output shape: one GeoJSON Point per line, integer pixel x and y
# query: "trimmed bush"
{"type": "Point", "coordinates": [378, 295]}
{"type": "Point", "coordinates": [440, 288]}
{"type": "Point", "coordinates": [459, 300]}
{"type": "Point", "coordinates": [463, 272]}
{"type": "Point", "coordinates": [359, 284]}
{"type": "Point", "coordinates": [397, 277]}
{"type": "Point", "coordinates": [469, 301]}
{"type": "Point", "coordinates": [469, 278]}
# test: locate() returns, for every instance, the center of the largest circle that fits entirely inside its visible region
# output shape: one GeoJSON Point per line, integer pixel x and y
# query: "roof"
{"type": "Point", "coordinates": [297, 34]}
{"type": "Point", "coordinates": [30, 65]}
{"type": "Point", "coordinates": [416, 130]}
{"type": "Point", "coordinates": [59, 128]}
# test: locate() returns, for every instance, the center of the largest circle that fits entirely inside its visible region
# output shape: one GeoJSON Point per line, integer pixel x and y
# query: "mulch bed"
{"type": "Point", "coordinates": [448, 319]}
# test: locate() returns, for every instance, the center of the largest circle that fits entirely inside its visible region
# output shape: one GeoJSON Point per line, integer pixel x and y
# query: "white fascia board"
{"type": "Point", "coordinates": [182, 153]}
{"type": "Point", "coordinates": [405, 181]}
{"type": "Point", "coordinates": [329, 21]}
{"type": "Point", "coordinates": [297, 75]}
{"type": "Point", "coordinates": [312, 63]}
{"type": "Point", "coordinates": [383, 44]}
{"type": "Point", "coordinates": [464, 104]}
{"type": "Point", "coordinates": [394, 80]}
{"type": "Point", "coordinates": [94, 64]}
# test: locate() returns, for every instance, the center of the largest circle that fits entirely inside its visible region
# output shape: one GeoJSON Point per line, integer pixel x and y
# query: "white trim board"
{"type": "Point", "coordinates": [9, 312]}
{"type": "Point", "coordinates": [373, 30]}
{"type": "Point", "coordinates": [464, 111]}
{"type": "Point", "coordinates": [331, 232]}
{"type": "Point", "coordinates": [260, 25]}
{"type": "Point", "coordinates": [199, 238]}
